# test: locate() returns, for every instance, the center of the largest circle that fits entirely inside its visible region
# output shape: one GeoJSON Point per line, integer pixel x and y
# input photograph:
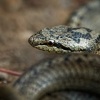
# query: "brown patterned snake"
{"type": "Point", "coordinates": [72, 72]}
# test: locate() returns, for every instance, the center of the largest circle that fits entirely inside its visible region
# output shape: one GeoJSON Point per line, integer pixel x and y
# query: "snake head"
{"type": "Point", "coordinates": [64, 39]}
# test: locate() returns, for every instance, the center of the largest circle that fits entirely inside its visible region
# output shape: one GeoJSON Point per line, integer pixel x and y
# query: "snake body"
{"type": "Point", "coordinates": [78, 72]}
{"type": "Point", "coordinates": [88, 16]}
{"type": "Point", "coordinates": [75, 73]}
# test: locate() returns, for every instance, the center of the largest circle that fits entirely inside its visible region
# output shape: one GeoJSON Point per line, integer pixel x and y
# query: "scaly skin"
{"type": "Point", "coordinates": [87, 16]}
{"type": "Point", "coordinates": [64, 39]}
{"type": "Point", "coordinates": [79, 72]}
{"type": "Point", "coordinates": [71, 72]}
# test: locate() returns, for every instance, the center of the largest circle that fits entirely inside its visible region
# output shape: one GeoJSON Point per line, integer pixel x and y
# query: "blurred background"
{"type": "Point", "coordinates": [19, 19]}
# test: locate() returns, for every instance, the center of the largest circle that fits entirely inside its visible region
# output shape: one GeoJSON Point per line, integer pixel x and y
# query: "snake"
{"type": "Point", "coordinates": [80, 72]}
{"type": "Point", "coordinates": [76, 74]}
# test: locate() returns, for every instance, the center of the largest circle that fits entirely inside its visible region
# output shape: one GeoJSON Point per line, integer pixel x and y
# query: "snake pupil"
{"type": "Point", "coordinates": [50, 43]}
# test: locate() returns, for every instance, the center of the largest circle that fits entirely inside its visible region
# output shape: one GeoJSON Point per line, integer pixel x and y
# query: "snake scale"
{"type": "Point", "coordinates": [76, 76]}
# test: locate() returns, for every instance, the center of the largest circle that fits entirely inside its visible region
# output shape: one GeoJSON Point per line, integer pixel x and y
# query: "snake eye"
{"type": "Point", "coordinates": [50, 43]}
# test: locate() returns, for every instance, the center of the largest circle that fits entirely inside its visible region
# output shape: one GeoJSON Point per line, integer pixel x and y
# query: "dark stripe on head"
{"type": "Point", "coordinates": [97, 39]}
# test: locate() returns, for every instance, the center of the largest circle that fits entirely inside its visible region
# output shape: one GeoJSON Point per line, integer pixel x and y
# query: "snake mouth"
{"type": "Point", "coordinates": [55, 47]}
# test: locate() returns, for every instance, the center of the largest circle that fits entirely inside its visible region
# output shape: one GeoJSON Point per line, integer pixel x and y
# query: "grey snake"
{"type": "Point", "coordinates": [74, 73]}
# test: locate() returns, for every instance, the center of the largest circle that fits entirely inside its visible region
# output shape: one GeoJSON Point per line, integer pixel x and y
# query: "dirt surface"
{"type": "Point", "coordinates": [19, 20]}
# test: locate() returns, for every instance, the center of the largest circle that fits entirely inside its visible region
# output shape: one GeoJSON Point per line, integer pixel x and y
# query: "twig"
{"type": "Point", "coordinates": [10, 72]}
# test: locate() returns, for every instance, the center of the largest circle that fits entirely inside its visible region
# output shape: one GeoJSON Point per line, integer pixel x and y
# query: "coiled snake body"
{"type": "Point", "coordinates": [72, 72]}
{"type": "Point", "coordinates": [78, 72]}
